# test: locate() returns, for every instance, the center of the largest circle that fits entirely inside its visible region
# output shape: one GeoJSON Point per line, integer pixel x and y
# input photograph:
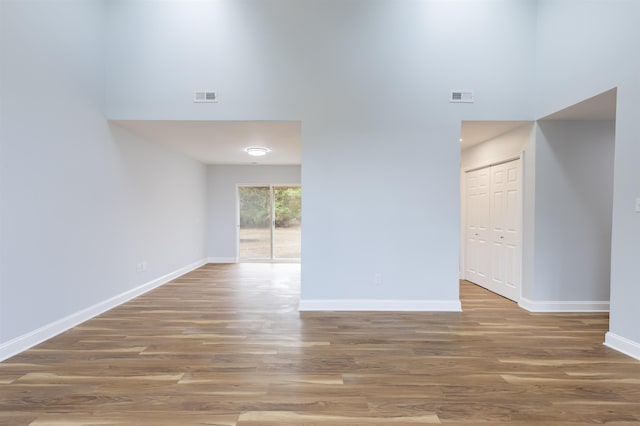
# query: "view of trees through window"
{"type": "Point", "coordinates": [270, 219]}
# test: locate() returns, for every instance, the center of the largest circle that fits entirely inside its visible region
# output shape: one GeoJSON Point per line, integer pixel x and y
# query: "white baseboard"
{"type": "Point", "coordinates": [28, 340]}
{"type": "Point", "coordinates": [379, 305]}
{"type": "Point", "coordinates": [222, 260]}
{"type": "Point", "coordinates": [622, 344]}
{"type": "Point", "coordinates": [563, 306]}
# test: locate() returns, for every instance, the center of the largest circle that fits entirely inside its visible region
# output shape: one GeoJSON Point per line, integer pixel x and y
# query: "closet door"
{"type": "Point", "coordinates": [505, 229]}
{"type": "Point", "coordinates": [493, 228]}
{"type": "Point", "coordinates": [478, 222]}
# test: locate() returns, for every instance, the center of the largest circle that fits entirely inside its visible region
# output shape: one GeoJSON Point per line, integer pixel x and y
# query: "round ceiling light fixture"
{"type": "Point", "coordinates": [257, 151]}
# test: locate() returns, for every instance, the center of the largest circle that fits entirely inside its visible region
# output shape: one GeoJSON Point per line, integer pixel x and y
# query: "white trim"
{"type": "Point", "coordinates": [564, 306]}
{"type": "Point", "coordinates": [622, 344]}
{"type": "Point", "coordinates": [32, 338]}
{"type": "Point", "coordinates": [379, 305]}
{"type": "Point", "coordinates": [221, 260]}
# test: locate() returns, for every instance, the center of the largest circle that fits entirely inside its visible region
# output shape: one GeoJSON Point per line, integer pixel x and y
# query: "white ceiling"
{"type": "Point", "coordinates": [475, 132]}
{"type": "Point", "coordinates": [599, 107]}
{"type": "Point", "coordinates": [223, 142]}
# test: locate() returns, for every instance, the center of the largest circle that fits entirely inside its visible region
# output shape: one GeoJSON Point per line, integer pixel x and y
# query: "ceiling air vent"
{"type": "Point", "coordinates": [461, 96]}
{"type": "Point", "coordinates": [205, 97]}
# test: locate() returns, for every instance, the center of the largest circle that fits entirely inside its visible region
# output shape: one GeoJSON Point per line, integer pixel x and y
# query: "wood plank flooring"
{"type": "Point", "coordinates": [225, 345]}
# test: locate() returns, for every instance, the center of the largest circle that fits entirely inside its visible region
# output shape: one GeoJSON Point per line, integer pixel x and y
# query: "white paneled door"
{"type": "Point", "coordinates": [493, 228]}
{"type": "Point", "coordinates": [478, 223]}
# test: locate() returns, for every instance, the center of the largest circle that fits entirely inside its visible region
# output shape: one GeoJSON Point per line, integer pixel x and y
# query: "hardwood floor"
{"type": "Point", "coordinates": [225, 345]}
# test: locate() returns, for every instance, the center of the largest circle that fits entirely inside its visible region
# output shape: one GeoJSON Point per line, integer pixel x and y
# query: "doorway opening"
{"type": "Point", "coordinates": [269, 223]}
{"type": "Point", "coordinates": [491, 188]}
{"type": "Point", "coordinates": [493, 228]}
{"type": "Point", "coordinates": [566, 173]}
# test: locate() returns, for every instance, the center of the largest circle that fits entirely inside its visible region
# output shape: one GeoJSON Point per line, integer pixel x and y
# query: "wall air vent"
{"type": "Point", "coordinates": [205, 97]}
{"type": "Point", "coordinates": [461, 96]}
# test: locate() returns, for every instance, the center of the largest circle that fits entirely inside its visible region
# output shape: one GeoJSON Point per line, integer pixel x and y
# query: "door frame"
{"type": "Point", "coordinates": [271, 186]}
{"type": "Point", "coordinates": [463, 210]}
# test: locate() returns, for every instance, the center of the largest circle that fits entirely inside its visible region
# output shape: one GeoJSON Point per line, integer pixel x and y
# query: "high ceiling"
{"type": "Point", "coordinates": [223, 142]}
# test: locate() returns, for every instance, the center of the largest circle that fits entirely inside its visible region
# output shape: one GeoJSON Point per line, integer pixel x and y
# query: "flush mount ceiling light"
{"type": "Point", "coordinates": [257, 151]}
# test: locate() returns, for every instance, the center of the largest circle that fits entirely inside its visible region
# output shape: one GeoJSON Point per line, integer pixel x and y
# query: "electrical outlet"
{"type": "Point", "coordinates": [377, 278]}
{"type": "Point", "coordinates": [142, 266]}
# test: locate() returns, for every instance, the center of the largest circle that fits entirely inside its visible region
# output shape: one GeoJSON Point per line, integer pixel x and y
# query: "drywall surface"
{"type": "Point", "coordinates": [582, 49]}
{"type": "Point", "coordinates": [222, 203]}
{"type": "Point", "coordinates": [574, 199]}
{"type": "Point", "coordinates": [83, 203]}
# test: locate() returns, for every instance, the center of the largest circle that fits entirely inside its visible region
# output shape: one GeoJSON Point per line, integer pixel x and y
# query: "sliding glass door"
{"type": "Point", "coordinates": [269, 222]}
{"type": "Point", "coordinates": [255, 222]}
{"type": "Point", "coordinates": [286, 230]}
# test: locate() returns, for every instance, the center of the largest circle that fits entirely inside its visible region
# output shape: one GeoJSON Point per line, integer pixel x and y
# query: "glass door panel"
{"type": "Point", "coordinates": [287, 201]}
{"type": "Point", "coordinates": [255, 222]}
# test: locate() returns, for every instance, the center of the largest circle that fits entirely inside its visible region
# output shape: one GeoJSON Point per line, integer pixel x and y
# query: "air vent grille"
{"type": "Point", "coordinates": [461, 96]}
{"type": "Point", "coordinates": [205, 97]}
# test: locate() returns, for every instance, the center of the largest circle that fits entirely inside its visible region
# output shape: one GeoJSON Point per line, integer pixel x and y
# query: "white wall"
{"type": "Point", "coordinates": [380, 139]}
{"type": "Point", "coordinates": [574, 197]}
{"type": "Point", "coordinates": [582, 49]}
{"type": "Point", "coordinates": [83, 202]}
{"type": "Point", "coordinates": [222, 204]}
